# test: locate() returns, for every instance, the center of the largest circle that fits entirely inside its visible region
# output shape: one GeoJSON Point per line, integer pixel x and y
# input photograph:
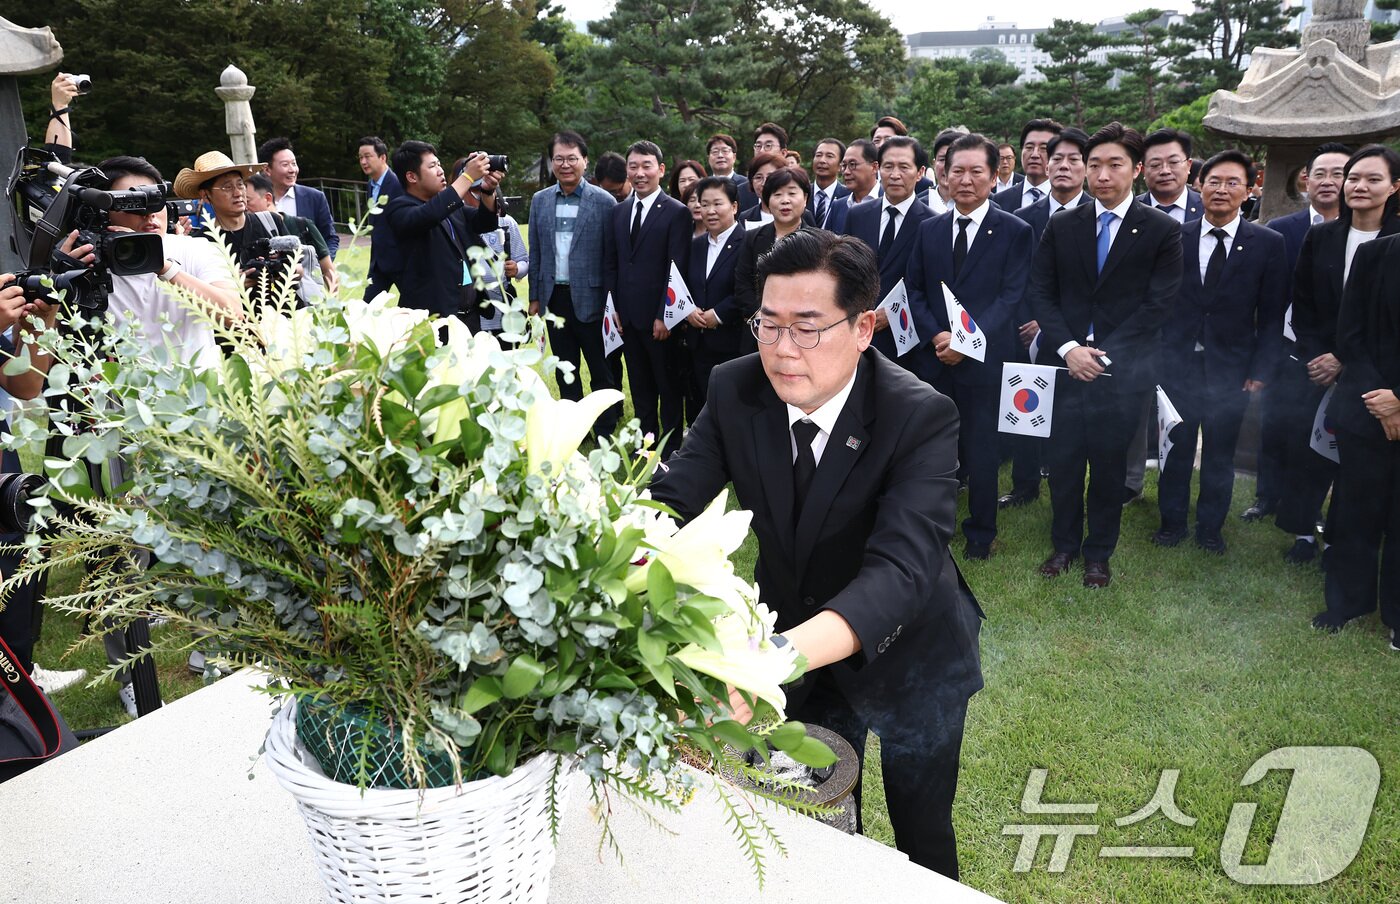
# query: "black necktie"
{"type": "Point", "coordinates": [637, 223]}
{"type": "Point", "coordinates": [1165, 208]}
{"type": "Point", "coordinates": [887, 239]}
{"type": "Point", "coordinates": [805, 467]}
{"type": "Point", "coordinates": [821, 207]}
{"type": "Point", "coordinates": [1035, 194]}
{"type": "Point", "coordinates": [1217, 259]}
{"type": "Point", "coordinates": [960, 246]}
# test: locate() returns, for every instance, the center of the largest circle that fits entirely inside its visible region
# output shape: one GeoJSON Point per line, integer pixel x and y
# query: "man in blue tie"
{"type": "Point", "coordinates": [1102, 286]}
{"type": "Point", "coordinates": [383, 185]}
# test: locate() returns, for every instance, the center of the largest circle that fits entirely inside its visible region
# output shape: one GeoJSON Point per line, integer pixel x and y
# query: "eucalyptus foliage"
{"type": "Point", "coordinates": [388, 514]}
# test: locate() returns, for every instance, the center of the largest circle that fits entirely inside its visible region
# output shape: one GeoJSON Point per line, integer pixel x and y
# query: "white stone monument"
{"type": "Point", "coordinates": [236, 93]}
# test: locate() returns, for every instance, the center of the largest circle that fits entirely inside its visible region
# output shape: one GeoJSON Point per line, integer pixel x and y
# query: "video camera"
{"type": "Point", "coordinates": [16, 489]}
{"type": "Point", "coordinates": [272, 253]}
{"type": "Point", "coordinates": [50, 200]}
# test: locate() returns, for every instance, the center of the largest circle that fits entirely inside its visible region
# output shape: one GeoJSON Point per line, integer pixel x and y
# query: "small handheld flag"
{"type": "Point", "coordinates": [679, 304]}
{"type": "Point", "coordinates": [1324, 434]}
{"type": "Point", "coordinates": [612, 327]}
{"type": "Point", "coordinates": [1167, 418]}
{"type": "Point", "coordinates": [1027, 399]}
{"type": "Point", "coordinates": [896, 307]}
{"type": "Point", "coordinates": [1288, 324]}
{"type": "Point", "coordinates": [967, 336]}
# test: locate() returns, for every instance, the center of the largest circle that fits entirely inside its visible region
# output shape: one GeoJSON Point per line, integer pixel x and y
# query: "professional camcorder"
{"type": "Point", "coordinates": [16, 489]}
{"type": "Point", "coordinates": [272, 254]}
{"type": "Point", "coordinates": [50, 200]}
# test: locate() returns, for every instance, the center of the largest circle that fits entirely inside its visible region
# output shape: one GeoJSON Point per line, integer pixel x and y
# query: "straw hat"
{"type": "Point", "coordinates": [210, 166]}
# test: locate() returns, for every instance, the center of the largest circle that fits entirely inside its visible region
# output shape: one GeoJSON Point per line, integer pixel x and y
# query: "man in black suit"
{"type": "Point", "coordinates": [717, 323]}
{"type": "Point", "coordinates": [849, 466]}
{"type": "Point", "coordinates": [1222, 342]}
{"type": "Point", "coordinates": [431, 226]}
{"type": "Point", "coordinates": [644, 237]}
{"type": "Point", "coordinates": [1036, 135]}
{"type": "Point", "coordinates": [1167, 168]}
{"type": "Point", "coordinates": [1066, 170]}
{"type": "Point", "coordinates": [1102, 285]}
{"type": "Point", "coordinates": [722, 152]}
{"type": "Point", "coordinates": [983, 255]}
{"type": "Point", "coordinates": [939, 197]}
{"type": "Point", "coordinates": [860, 171]}
{"type": "Point", "coordinates": [1324, 174]}
{"type": "Point", "coordinates": [1007, 177]}
{"type": "Point", "coordinates": [891, 229]}
{"type": "Point", "coordinates": [826, 179]}
{"type": "Point", "coordinates": [887, 127]}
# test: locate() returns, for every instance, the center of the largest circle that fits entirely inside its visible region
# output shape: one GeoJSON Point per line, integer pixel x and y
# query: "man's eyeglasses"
{"type": "Point", "coordinates": [574, 160]}
{"type": "Point", "coordinates": [233, 188]}
{"type": "Point", "coordinates": [1216, 184]}
{"type": "Point", "coordinates": [1172, 162]}
{"type": "Point", "coordinates": [804, 335]}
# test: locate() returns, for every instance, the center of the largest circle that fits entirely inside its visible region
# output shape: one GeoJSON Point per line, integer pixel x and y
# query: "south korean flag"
{"type": "Point", "coordinates": [967, 336]}
{"type": "Point", "coordinates": [1324, 432]}
{"type": "Point", "coordinates": [679, 304]}
{"type": "Point", "coordinates": [896, 308]}
{"type": "Point", "coordinates": [1027, 399]}
{"type": "Point", "coordinates": [612, 327]}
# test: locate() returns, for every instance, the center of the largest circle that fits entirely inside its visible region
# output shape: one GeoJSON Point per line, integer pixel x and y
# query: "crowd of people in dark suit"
{"type": "Point", "coordinates": [849, 442]}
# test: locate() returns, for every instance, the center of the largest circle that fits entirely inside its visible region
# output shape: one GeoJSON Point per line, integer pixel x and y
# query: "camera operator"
{"type": "Point", "coordinates": [222, 184]}
{"type": "Point", "coordinates": [58, 134]}
{"type": "Point", "coordinates": [260, 201]}
{"type": "Point", "coordinates": [432, 226]}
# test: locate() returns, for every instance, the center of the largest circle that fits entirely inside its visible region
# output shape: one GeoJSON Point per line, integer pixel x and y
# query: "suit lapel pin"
{"type": "Point", "coordinates": [1134, 232]}
{"type": "Point", "coordinates": [852, 443]}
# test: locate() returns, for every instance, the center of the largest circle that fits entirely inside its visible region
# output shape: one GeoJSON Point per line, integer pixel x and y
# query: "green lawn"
{"type": "Point", "coordinates": [1187, 661]}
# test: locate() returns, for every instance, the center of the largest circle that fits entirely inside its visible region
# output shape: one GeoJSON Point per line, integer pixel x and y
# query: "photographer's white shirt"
{"type": "Point", "coordinates": [151, 302]}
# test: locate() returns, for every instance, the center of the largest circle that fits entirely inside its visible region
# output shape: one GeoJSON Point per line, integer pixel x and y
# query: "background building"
{"type": "Point", "coordinates": [1016, 45]}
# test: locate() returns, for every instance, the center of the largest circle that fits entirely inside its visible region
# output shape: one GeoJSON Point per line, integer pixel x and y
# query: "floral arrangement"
{"type": "Point", "coordinates": [394, 518]}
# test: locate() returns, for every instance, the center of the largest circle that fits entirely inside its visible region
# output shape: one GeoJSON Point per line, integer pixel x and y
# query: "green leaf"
{"type": "Point", "coordinates": [18, 364]}
{"type": "Point", "coordinates": [399, 422]}
{"type": "Point", "coordinates": [436, 397]}
{"type": "Point", "coordinates": [788, 735]}
{"type": "Point", "coordinates": [483, 692]}
{"type": "Point", "coordinates": [614, 681]}
{"type": "Point", "coordinates": [661, 587]}
{"type": "Point", "coordinates": [522, 677]}
{"type": "Point", "coordinates": [812, 752]}
{"type": "Point", "coordinates": [567, 650]}
{"type": "Point", "coordinates": [663, 675]}
{"type": "Point", "coordinates": [651, 647]}
{"type": "Point", "coordinates": [240, 378]}
{"type": "Point", "coordinates": [615, 589]}
{"type": "Point", "coordinates": [472, 440]}
{"type": "Point", "coordinates": [728, 731]}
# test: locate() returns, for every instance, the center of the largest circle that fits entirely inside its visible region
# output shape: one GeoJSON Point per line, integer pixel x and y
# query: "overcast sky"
{"type": "Point", "coordinates": [918, 15]}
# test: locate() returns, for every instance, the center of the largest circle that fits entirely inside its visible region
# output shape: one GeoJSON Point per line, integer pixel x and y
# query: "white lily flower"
{"type": "Point", "coordinates": [381, 323]}
{"type": "Point", "coordinates": [555, 427]}
{"type": "Point", "coordinates": [697, 555]}
{"type": "Point", "coordinates": [467, 359]}
{"type": "Point", "coordinates": [286, 338]}
{"type": "Point", "coordinates": [747, 659]}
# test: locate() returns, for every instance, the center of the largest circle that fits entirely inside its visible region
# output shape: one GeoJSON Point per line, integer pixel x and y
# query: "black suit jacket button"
{"type": "Point", "coordinates": [808, 601]}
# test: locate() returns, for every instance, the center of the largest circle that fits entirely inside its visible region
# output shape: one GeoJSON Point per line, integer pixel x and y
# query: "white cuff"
{"type": "Point", "coordinates": [1064, 349]}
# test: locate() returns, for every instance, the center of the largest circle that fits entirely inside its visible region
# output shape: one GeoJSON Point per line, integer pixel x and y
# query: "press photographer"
{"type": "Point", "coordinates": [421, 241]}
{"type": "Point", "coordinates": [260, 201]}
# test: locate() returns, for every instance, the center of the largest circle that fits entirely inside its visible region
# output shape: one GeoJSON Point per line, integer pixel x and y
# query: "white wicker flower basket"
{"type": "Point", "coordinates": [486, 843]}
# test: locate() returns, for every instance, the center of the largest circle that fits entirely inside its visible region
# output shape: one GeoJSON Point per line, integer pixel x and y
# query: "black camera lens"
{"type": "Point", "coordinates": [498, 163]}
{"type": "Point", "coordinates": [15, 491]}
{"type": "Point", "coordinates": [129, 254]}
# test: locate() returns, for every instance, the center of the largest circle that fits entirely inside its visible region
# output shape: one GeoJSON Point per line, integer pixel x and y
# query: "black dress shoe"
{"type": "Point", "coordinates": [1211, 543]}
{"type": "Point", "coordinates": [1169, 537]}
{"type": "Point", "coordinates": [1303, 552]}
{"type": "Point", "coordinates": [1017, 498]}
{"type": "Point", "coordinates": [1096, 575]}
{"type": "Point", "coordinates": [1329, 621]}
{"type": "Point", "coordinates": [1262, 508]}
{"type": "Point", "coordinates": [1056, 565]}
{"type": "Point", "coordinates": [975, 550]}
